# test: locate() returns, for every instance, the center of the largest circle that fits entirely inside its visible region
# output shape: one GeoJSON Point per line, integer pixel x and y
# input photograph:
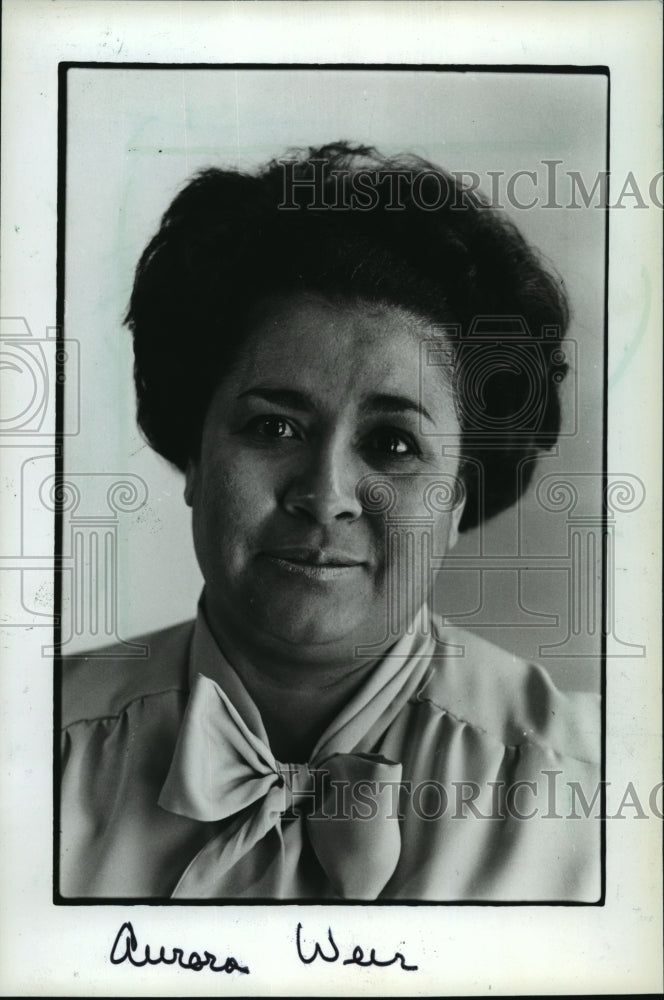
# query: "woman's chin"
{"type": "Point", "coordinates": [315, 635]}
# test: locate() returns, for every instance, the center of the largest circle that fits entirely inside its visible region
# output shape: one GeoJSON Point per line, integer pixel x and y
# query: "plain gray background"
{"type": "Point", "coordinates": [135, 137]}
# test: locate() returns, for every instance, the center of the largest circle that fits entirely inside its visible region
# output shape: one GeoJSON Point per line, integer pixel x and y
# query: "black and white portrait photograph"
{"type": "Point", "coordinates": [330, 419]}
{"type": "Point", "coordinates": [355, 374]}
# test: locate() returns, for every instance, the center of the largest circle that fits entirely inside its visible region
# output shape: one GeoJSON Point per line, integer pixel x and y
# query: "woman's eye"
{"type": "Point", "coordinates": [272, 428]}
{"type": "Point", "coordinates": [392, 444]}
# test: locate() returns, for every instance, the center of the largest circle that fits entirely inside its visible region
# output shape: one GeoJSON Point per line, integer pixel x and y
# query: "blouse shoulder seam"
{"type": "Point", "coordinates": [125, 705]}
{"type": "Point", "coordinates": [508, 746]}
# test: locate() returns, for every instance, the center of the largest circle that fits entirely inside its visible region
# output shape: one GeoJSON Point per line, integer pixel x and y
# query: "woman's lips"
{"type": "Point", "coordinates": [315, 564]}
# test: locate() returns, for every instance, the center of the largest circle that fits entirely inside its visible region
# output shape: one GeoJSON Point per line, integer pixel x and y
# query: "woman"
{"type": "Point", "coordinates": [311, 350]}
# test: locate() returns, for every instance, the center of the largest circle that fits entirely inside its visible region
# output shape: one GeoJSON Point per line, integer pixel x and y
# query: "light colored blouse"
{"type": "Point", "coordinates": [457, 773]}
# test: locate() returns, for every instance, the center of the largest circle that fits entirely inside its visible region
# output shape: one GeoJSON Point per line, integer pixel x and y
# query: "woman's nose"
{"type": "Point", "coordinates": [325, 489]}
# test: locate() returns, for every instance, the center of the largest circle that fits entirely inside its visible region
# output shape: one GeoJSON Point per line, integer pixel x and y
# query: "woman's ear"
{"type": "Point", "coordinates": [457, 514]}
{"type": "Point", "coordinates": [190, 478]}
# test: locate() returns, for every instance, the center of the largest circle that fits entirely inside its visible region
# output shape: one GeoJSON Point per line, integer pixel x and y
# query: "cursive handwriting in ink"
{"type": "Point", "coordinates": [318, 951]}
{"type": "Point", "coordinates": [357, 957]}
{"type": "Point", "coordinates": [194, 962]}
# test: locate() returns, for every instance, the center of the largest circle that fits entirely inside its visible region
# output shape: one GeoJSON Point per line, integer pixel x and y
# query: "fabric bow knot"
{"type": "Point", "coordinates": [222, 770]}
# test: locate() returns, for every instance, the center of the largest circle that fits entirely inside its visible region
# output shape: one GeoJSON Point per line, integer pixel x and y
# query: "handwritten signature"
{"type": "Point", "coordinates": [127, 937]}
{"type": "Point", "coordinates": [126, 949]}
{"type": "Point", "coordinates": [357, 957]}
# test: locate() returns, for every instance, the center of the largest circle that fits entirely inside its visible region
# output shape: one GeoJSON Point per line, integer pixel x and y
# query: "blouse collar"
{"type": "Point", "coordinates": [397, 675]}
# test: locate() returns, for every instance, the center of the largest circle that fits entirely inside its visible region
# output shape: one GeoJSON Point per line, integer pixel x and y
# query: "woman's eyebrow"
{"type": "Point", "coordinates": [388, 403]}
{"type": "Point", "coordinates": [294, 399]}
{"type": "Point", "coordinates": [290, 398]}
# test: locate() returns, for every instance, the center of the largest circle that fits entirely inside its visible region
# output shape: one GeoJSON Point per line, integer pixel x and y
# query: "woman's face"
{"type": "Point", "coordinates": [325, 401]}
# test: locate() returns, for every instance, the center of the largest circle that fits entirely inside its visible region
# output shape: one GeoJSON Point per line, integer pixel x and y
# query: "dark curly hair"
{"type": "Point", "coordinates": [344, 222]}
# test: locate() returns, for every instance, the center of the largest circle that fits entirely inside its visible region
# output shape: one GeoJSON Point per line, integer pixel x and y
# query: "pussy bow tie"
{"type": "Point", "coordinates": [221, 769]}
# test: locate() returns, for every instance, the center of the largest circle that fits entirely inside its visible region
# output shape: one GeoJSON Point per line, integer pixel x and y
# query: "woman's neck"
{"type": "Point", "coordinates": [297, 699]}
